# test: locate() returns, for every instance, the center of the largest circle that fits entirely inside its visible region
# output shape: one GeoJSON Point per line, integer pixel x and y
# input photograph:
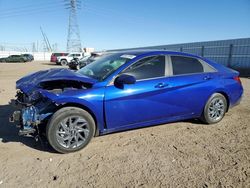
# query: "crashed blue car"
{"type": "Point", "coordinates": [122, 91]}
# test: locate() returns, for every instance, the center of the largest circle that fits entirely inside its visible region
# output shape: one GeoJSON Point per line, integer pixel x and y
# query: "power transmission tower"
{"type": "Point", "coordinates": [74, 40]}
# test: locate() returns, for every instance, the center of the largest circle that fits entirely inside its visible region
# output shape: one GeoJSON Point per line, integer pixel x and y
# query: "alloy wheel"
{"type": "Point", "coordinates": [72, 132]}
{"type": "Point", "coordinates": [216, 109]}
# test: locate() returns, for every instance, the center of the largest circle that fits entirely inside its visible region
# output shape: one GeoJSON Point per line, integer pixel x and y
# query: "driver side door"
{"type": "Point", "coordinates": [144, 101]}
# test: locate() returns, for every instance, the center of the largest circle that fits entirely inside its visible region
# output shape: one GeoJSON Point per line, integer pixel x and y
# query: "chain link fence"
{"type": "Point", "coordinates": [233, 53]}
{"type": "Point", "coordinates": [233, 56]}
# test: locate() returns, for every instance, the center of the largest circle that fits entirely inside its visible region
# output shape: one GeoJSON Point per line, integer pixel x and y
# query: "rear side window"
{"type": "Point", "coordinates": [150, 67]}
{"type": "Point", "coordinates": [57, 54]}
{"type": "Point", "coordinates": [186, 65]}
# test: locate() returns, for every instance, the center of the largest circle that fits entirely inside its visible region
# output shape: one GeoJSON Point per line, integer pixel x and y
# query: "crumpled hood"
{"type": "Point", "coordinates": [31, 82]}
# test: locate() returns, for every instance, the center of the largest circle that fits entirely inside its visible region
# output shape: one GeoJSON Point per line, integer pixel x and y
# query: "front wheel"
{"type": "Point", "coordinates": [215, 109]}
{"type": "Point", "coordinates": [70, 129]}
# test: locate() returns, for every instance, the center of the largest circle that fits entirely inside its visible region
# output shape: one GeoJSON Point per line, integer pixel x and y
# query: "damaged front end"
{"type": "Point", "coordinates": [37, 97]}
{"type": "Point", "coordinates": [31, 112]}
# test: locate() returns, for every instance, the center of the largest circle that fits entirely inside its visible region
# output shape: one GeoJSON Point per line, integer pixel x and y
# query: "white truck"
{"type": "Point", "coordinates": [64, 60]}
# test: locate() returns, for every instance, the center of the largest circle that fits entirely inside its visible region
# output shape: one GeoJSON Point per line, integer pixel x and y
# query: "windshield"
{"type": "Point", "coordinates": [105, 66]}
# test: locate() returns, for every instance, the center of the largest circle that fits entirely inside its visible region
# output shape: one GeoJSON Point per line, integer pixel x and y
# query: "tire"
{"type": "Point", "coordinates": [214, 109]}
{"type": "Point", "coordinates": [64, 62]}
{"type": "Point", "coordinates": [62, 135]}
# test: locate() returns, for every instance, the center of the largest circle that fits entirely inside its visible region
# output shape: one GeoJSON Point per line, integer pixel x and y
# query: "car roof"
{"type": "Point", "coordinates": [152, 51]}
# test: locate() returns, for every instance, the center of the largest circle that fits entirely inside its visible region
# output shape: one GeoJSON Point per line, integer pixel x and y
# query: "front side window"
{"type": "Point", "coordinates": [186, 65]}
{"type": "Point", "coordinates": [150, 67]}
{"type": "Point", "coordinates": [101, 68]}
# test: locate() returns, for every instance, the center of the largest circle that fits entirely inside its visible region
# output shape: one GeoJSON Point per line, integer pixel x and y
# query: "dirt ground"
{"type": "Point", "coordinates": [182, 154]}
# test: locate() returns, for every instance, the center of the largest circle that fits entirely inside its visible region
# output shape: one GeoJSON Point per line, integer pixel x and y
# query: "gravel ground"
{"type": "Point", "coordinates": [182, 154]}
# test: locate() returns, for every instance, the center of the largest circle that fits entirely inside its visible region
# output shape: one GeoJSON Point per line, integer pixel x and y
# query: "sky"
{"type": "Point", "coordinates": [114, 24]}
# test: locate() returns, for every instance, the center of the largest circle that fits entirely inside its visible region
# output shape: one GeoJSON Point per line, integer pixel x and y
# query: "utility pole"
{"type": "Point", "coordinates": [34, 47]}
{"type": "Point", "coordinates": [73, 40]}
{"type": "Point", "coordinates": [46, 41]}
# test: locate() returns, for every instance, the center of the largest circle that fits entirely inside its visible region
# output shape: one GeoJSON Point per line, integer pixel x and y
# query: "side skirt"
{"type": "Point", "coordinates": [149, 123]}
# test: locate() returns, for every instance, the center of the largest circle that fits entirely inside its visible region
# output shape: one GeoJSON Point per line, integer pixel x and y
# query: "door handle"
{"type": "Point", "coordinates": [207, 78]}
{"type": "Point", "coordinates": [161, 85]}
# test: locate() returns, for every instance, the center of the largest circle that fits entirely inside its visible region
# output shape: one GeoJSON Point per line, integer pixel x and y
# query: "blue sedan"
{"type": "Point", "coordinates": [122, 91]}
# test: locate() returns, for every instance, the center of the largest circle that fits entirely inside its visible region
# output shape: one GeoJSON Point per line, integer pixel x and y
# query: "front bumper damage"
{"type": "Point", "coordinates": [30, 113]}
{"type": "Point", "coordinates": [42, 93]}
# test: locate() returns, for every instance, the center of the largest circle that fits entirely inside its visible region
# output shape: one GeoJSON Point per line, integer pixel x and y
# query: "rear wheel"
{"type": "Point", "coordinates": [70, 129]}
{"type": "Point", "coordinates": [215, 109]}
{"type": "Point", "coordinates": [64, 62]}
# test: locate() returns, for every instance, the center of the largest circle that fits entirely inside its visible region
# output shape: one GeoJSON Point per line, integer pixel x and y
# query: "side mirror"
{"type": "Point", "coordinates": [124, 79]}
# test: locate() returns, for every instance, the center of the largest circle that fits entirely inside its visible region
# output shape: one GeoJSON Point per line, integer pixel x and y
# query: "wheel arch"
{"type": "Point", "coordinates": [72, 104]}
{"type": "Point", "coordinates": [226, 96]}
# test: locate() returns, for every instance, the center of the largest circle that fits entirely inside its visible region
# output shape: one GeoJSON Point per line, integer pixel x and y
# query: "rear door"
{"type": "Point", "coordinates": [190, 85]}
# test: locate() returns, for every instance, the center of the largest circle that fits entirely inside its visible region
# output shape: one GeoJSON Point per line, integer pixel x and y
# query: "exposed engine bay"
{"type": "Point", "coordinates": [59, 86]}
{"type": "Point", "coordinates": [35, 109]}
{"type": "Point", "coordinates": [31, 112]}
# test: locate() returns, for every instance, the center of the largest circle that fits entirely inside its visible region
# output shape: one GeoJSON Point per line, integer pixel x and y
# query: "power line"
{"type": "Point", "coordinates": [31, 9]}
{"type": "Point", "coordinates": [109, 11]}
{"type": "Point", "coordinates": [110, 15]}
{"type": "Point", "coordinates": [35, 5]}
{"type": "Point", "coordinates": [11, 43]}
{"type": "Point", "coordinates": [36, 11]}
{"type": "Point", "coordinates": [40, 9]}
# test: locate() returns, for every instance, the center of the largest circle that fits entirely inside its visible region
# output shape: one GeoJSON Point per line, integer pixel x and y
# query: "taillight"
{"type": "Point", "coordinates": [237, 78]}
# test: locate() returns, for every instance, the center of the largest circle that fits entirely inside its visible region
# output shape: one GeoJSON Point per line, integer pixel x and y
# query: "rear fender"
{"type": "Point", "coordinates": [216, 90]}
{"type": "Point", "coordinates": [232, 93]}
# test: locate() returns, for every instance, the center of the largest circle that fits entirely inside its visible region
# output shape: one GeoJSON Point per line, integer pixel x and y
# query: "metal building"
{"type": "Point", "coordinates": [234, 53]}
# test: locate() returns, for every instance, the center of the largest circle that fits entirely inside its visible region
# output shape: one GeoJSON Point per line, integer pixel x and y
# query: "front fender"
{"type": "Point", "coordinates": [80, 102]}
{"type": "Point", "coordinates": [91, 99]}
